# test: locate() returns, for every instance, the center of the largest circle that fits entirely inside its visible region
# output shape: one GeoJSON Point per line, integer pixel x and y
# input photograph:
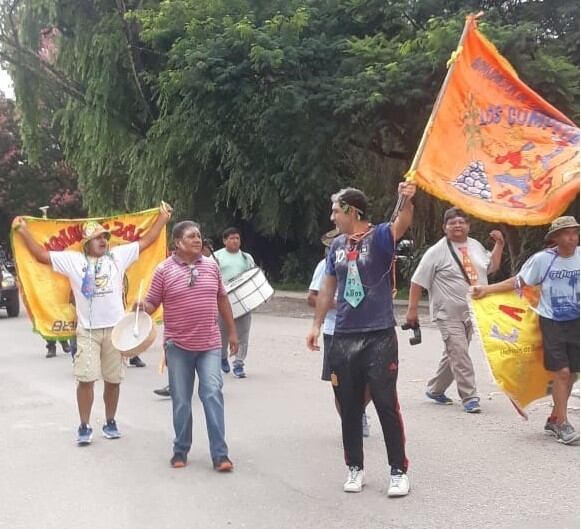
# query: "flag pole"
{"type": "Point", "coordinates": [410, 175]}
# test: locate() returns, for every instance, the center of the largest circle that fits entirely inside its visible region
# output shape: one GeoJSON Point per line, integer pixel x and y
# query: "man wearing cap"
{"type": "Point", "coordinates": [556, 271]}
{"type": "Point", "coordinates": [96, 279]}
{"type": "Point", "coordinates": [364, 350]}
{"type": "Point", "coordinates": [446, 271]}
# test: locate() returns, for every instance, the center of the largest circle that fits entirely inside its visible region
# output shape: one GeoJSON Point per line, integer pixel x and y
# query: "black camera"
{"type": "Point", "coordinates": [417, 337]}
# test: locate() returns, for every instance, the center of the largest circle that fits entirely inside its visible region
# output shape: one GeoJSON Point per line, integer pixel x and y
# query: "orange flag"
{"type": "Point", "coordinates": [493, 146]}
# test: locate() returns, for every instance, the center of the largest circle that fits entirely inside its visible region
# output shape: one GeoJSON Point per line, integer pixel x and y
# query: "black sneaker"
{"type": "Point", "coordinates": [162, 392]}
{"type": "Point", "coordinates": [51, 350]}
{"type": "Point", "coordinates": [225, 365]}
{"type": "Point", "coordinates": [136, 362]}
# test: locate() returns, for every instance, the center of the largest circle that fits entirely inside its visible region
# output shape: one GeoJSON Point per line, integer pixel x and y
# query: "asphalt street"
{"type": "Point", "coordinates": [492, 470]}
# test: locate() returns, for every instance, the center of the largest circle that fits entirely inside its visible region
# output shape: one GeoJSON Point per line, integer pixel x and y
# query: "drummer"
{"type": "Point", "coordinates": [189, 286]}
{"type": "Point", "coordinates": [96, 279]}
{"type": "Point", "coordinates": [233, 262]}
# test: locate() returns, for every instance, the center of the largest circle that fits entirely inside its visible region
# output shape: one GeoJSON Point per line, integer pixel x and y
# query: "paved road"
{"type": "Point", "coordinates": [492, 470]}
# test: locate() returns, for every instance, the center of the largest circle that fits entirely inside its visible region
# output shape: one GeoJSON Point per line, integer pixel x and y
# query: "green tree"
{"type": "Point", "coordinates": [254, 112]}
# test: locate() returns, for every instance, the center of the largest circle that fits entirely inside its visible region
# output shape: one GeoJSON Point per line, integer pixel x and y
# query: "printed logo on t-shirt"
{"type": "Point", "coordinates": [340, 255]}
{"type": "Point", "coordinates": [103, 283]}
{"type": "Point", "coordinates": [564, 293]}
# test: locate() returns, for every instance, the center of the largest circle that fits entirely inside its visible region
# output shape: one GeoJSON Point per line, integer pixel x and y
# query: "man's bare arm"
{"type": "Point", "coordinates": [325, 299]}
{"type": "Point", "coordinates": [159, 224]}
{"type": "Point", "coordinates": [39, 252]}
{"type": "Point", "coordinates": [406, 215]}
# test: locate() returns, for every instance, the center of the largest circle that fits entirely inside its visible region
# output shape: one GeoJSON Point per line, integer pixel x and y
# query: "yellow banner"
{"type": "Point", "coordinates": [494, 147]}
{"type": "Point", "coordinates": [47, 295]}
{"type": "Point", "coordinates": [508, 329]}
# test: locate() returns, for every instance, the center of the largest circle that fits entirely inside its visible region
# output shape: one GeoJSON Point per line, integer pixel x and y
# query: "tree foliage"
{"type": "Point", "coordinates": [255, 112]}
{"type": "Point", "coordinates": [24, 187]}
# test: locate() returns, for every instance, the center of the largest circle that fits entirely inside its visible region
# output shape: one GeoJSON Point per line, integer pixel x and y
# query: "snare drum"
{"type": "Point", "coordinates": [129, 343]}
{"type": "Point", "coordinates": [248, 291]}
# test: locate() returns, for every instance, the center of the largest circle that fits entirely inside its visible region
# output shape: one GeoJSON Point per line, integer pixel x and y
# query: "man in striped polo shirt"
{"type": "Point", "coordinates": [189, 286]}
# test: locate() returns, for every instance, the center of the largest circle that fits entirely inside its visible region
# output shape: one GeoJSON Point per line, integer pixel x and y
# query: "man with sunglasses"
{"type": "Point", "coordinates": [189, 285]}
{"type": "Point", "coordinates": [446, 271]}
{"type": "Point", "coordinates": [207, 251]}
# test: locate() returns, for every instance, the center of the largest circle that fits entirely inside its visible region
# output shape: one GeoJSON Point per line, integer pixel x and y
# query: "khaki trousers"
{"type": "Point", "coordinates": [455, 363]}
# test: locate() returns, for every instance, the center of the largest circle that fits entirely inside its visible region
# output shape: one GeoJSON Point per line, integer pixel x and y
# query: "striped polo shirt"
{"type": "Point", "coordinates": [190, 313]}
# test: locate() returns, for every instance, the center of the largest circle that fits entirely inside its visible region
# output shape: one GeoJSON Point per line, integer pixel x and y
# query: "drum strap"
{"type": "Point", "coordinates": [246, 260]}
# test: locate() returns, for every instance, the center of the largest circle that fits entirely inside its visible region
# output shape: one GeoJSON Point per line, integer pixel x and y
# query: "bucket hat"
{"type": "Point", "coordinates": [560, 223]}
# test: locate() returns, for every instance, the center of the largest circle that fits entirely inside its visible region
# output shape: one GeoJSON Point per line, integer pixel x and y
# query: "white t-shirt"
{"type": "Point", "coordinates": [316, 284]}
{"type": "Point", "coordinates": [106, 307]}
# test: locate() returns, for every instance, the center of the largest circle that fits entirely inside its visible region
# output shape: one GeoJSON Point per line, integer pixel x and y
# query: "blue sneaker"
{"type": "Point", "coordinates": [225, 365]}
{"type": "Point", "coordinates": [84, 435]}
{"type": "Point", "coordinates": [110, 430]}
{"type": "Point", "coordinates": [472, 406]}
{"type": "Point", "coordinates": [239, 371]}
{"type": "Point", "coordinates": [439, 399]}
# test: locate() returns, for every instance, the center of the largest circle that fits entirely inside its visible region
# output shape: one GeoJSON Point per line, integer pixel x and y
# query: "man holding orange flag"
{"type": "Point", "coordinates": [364, 350]}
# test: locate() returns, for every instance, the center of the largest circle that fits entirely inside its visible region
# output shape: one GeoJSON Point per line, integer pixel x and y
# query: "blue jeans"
{"type": "Point", "coordinates": [182, 367]}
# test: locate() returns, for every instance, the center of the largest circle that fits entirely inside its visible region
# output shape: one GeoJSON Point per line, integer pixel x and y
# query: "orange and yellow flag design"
{"type": "Point", "coordinates": [493, 146]}
{"type": "Point", "coordinates": [47, 295]}
{"type": "Point", "coordinates": [509, 332]}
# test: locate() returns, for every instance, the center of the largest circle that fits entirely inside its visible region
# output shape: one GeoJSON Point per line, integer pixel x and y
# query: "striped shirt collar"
{"type": "Point", "coordinates": [180, 261]}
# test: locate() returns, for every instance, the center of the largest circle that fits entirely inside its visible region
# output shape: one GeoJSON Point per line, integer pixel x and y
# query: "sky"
{"type": "Point", "coordinates": [6, 84]}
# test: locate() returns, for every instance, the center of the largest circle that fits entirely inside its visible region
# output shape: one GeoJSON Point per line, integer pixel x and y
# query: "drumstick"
{"type": "Point", "coordinates": [136, 326]}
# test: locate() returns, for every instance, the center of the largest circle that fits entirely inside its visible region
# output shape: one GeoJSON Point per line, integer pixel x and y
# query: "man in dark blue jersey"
{"type": "Point", "coordinates": [364, 351]}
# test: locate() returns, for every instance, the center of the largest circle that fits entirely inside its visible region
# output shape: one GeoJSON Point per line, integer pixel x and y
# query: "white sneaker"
{"type": "Point", "coordinates": [355, 478]}
{"type": "Point", "coordinates": [399, 485]}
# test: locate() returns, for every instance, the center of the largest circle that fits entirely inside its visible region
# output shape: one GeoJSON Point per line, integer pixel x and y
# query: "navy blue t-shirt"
{"type": "Point", "coordinates": [375, 312]}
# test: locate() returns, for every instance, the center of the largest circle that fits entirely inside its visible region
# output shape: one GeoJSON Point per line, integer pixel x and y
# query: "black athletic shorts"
{"type": "Point", "coordinates": [560, 344]}
{"type": "Point", "coordinates": [326, 372]}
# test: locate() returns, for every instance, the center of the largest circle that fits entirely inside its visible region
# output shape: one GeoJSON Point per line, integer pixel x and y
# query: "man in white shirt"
{"type": "Point", "coordinates": [96, 278]}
